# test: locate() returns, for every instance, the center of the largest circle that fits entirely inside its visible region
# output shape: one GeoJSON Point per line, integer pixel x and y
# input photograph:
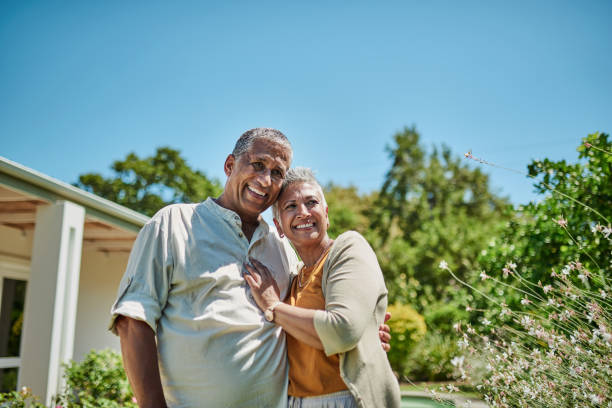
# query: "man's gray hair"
{"type": "Point", "coordinates": [298, 175]}
{"type": "Point", "coordinates": [245, 141]}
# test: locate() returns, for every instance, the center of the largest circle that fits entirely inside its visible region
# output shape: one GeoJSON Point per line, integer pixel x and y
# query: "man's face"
{"type": "Point", "coordinates": [255, 178]}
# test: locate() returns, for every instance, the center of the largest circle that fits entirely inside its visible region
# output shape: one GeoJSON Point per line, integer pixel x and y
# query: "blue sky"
{"type": "Point", "coordinates": [83, 83]}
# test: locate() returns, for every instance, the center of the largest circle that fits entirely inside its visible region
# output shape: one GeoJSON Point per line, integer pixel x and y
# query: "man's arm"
{"type": "Point", "coordinates": [139, 352]}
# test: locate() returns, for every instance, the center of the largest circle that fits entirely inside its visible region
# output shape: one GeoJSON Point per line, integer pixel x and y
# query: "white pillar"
{"type": "Point", "coordinates": [51, 299]}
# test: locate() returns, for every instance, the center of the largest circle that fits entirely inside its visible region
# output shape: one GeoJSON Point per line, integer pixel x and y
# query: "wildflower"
{"type": "Point", "coordinates": [606, 231]}
{"type": "Point", "coordinates": [596, 399]}
{"type": "Point", "coordinates": [527, 322]}
{"type": "Point", "coordinates": [506, 272]}
{"type": "Point", "coordinates": [582, 277]}
{"type": "Point", "coordinates": [483, 276]}
{"type": "Point", "coordinates": [457, 361]}
{"type": "Point", "coordinates": [547, 288]}
{"type": "Point", "coordinates": [562, 222]}
{"type": "Point", "coordinates": [587, 144]}
{"type": "Point", "coordinates": [603, 293]}
{"type": "Point", "coordinates": [452, 388]}
{"type": "Point", "coordinates": [443, 265]}
{"type": "Point", "coordinates": [457, 326]}
{"type": "Point", "coordinates": [525, 301]}
{"type": "Point", "coordinates": [485, 321]}
{"type": "Point", "coordinates": [468, 308]}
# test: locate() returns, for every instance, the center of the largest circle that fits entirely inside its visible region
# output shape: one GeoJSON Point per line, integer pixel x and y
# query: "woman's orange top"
{"type": "Point", "coordinates": [311, 372]}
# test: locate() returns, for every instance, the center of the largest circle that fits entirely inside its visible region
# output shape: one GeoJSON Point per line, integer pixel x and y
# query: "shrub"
{"type": "Point", "coordinates": [98, 381]}
{"type": "Point", "coordinates": [407, 328]}
{"type": "Point", "coordinates": [20, 399]}
{"type": "Point", "coordinates": [430, 360]}
{"type": "Point", "coordinates": [544, 315]}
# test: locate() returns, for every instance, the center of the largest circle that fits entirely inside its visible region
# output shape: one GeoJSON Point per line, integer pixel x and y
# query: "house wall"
{"type": "Point", "coordinates": [100, 276]}
{"type": "Point", "coordinates": [16, 242]}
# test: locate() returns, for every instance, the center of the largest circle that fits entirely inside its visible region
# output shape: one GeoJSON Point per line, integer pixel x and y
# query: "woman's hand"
{"type": "Point", "coordinates": [263, 286]}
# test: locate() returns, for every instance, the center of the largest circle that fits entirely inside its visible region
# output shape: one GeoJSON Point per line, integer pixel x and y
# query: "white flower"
{"type": "Point", "coordinates": [595, 399]}
{"type": "Point", "coordinates": [547, 288]}
{"type": "Point", "coordinates": [525, 301]}
{"type": "Point", "coordinates": [443, 265]}
{"type": "Point", "coordinates": [457, 361]}
{"type": "Point", "coordinates": [457, 326]}
{"type": "Point", "coordinates": [603, 293]}
{"type": "Point", "coordinates": [606, 231]}
{"type": "Point", "coordinates": [485, 321]}
{"type": "Point", "coordinates": [483, 276]}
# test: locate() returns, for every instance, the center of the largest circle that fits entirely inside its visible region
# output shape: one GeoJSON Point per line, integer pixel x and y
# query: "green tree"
{"type": "Point", "coordinates": [148, 184]}
{"type": "Point", "coordinates": [431, 206]}
{"type": "Point", "coordinates": [347, 209]}
{"type": "Point", "coordinates": [566, 225]}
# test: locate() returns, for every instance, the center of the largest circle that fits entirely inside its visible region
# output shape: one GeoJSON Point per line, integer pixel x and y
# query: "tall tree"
{"type": "Point", "coordinates": [571, 223]}
{"type": "Point", "coordinates": [147, 184]}
{"type": "Point", "coordinates": [347, 209]}
{"type": "Point", "coordinates": [431, 206]}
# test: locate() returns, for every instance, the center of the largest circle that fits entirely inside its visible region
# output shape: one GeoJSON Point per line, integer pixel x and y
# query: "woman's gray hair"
{"type": "Point", "coordinates": [244, 142]}
{"type": "Point", "coordinates": [298, 175]}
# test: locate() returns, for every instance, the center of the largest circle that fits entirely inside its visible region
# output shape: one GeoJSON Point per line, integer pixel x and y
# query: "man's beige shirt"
{"type": "Point", "coordinates": [184, 279]}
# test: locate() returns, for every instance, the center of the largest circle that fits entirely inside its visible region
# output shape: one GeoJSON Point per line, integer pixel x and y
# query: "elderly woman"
{"type": "Point", "coordinates": [334, 309]}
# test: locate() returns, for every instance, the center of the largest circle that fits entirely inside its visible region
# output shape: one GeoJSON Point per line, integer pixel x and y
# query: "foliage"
{"type": "Point", "coordinates": [431, 359]}
{"type": "Point", "coordinates": [541, 317]}
{"type": "Point", "coordinates": [555, 348]}
{"type": "Point", "coordinates": [346, 209]}
{"type": "Point", "coordinates": [20, 399]}
{"type": "Point", "coordinates": [148, 184]}
{"type": "Point", "coordinates": [98, 381]}
{"type": "Point", "coordinates": [408, 328]}
{"type": "Point", "coordinates": [431, 205]}
{"type": "Point", "coordinates": [537, 241]}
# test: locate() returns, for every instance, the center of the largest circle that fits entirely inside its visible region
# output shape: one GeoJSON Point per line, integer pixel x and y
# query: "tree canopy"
{"type": "Point", "coordinates": [150, 183]}
{"type": "Point", "coordinates": [431, 206]}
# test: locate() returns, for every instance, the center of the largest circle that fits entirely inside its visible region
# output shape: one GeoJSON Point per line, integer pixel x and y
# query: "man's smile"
{"type": "Point", "coordinates": [256, 191]}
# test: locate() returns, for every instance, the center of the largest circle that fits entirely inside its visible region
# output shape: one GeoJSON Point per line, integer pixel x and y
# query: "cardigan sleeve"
{"type": "Point", "coordinates": [352, 286]}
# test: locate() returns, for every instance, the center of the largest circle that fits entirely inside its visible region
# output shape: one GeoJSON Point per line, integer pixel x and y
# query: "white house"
{"type": "Point", "coordinates": [62, 254]}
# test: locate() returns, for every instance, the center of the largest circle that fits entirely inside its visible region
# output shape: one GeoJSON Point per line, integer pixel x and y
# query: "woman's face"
{"type": "Point", "coordinates": [303, 214]}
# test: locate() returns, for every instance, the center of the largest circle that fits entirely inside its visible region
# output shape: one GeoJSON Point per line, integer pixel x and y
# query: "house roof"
{"type": "Point", "coordinates": [39, 186]}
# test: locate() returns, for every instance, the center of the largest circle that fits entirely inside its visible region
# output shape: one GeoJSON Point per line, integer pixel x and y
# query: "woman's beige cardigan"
{"type": "Point", "coordinates": [355, 305]}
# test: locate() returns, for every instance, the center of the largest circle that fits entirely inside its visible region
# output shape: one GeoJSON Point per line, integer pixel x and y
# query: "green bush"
{"type": "Point", "coordinates": [98, 381]}
{"type": "Point", "coordinates": [407, 328]}
{"type": "Point", "coordinates": [20, 399]}
{"type": "Point", "coordinates": [430, 360]}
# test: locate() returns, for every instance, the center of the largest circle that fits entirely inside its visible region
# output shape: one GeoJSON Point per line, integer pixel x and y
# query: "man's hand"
{"type": "Point", "coordinates": [139, 352]}
{"type": "Point", "coordinates": [384, 332]}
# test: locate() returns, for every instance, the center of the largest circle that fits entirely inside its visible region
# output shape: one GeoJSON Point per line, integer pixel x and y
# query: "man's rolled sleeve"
{"type": "Point", "coordinates": [143, 290]}
{"type": "Point", "coordinates": [351, 295]}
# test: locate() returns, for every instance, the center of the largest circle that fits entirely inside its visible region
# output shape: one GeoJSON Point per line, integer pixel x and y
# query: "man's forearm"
{"type": "Point", "coordinates": [139, 352]}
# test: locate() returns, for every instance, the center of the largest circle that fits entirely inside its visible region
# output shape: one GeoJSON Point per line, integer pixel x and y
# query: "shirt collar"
{"type": "Point", "coordinates": [232, 217]}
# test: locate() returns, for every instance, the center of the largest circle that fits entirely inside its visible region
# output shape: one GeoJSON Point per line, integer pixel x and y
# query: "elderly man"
{"type": "Point", "coordinates": [184, 287]}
